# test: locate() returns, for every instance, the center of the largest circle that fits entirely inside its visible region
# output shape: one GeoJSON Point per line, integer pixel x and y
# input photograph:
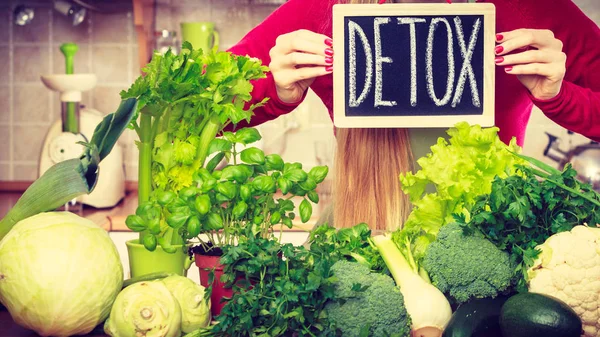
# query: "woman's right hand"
{"type": "Point", "coordinates": [296, 60]}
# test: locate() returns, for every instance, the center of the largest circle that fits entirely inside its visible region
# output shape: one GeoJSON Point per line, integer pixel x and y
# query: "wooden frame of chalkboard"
{"type": "Point", "coordinates": [389, 66]}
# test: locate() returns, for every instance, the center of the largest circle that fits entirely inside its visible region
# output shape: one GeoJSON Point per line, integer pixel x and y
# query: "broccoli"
{"type": "Point", "coordinates": [465, 265]}
{"type": "Point", "coordinates": [366, 304]}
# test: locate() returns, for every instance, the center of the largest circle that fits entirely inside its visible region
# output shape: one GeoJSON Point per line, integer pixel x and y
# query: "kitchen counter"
{"type": "Point", "coordinates": [8, 328]}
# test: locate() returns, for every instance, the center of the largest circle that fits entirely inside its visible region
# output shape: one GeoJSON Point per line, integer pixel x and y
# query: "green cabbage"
{"type": "Point", "coordinates": [59, 274]}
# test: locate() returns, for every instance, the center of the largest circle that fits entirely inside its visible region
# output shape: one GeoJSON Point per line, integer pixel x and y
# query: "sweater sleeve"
{"type": "Point", "coordinates": [291, 16]}
{"type": "Point", "coordinates": [577, 106]}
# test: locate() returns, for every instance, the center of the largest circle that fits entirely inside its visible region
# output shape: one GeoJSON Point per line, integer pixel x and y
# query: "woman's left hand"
{"type": "Point", "coordinates": [536, 57]}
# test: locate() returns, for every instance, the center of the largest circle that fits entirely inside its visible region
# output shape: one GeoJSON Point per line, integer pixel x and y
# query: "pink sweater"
{"type": "Point", "coordinates": [577, 106]}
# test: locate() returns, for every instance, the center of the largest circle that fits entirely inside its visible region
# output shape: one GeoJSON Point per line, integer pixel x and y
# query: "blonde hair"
{"type": "Point", "coordinates": [366, 176]}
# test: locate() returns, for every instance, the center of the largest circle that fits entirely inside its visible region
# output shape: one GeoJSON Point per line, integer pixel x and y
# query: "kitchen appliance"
{"type": "Point", "coordinates": [584, 158]}
{"type": "Point", "coordinates": [78, 125]}
{"type": "Point", "coordinates": [202, 35]}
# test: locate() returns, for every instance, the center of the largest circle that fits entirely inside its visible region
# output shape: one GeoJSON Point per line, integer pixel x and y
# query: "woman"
{"type": "Point", "coordinates": [547, 54]}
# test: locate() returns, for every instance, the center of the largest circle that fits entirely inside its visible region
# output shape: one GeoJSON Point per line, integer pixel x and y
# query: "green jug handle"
{"type": "Point", "coordinates": [215, 39]}
{"type": "Point", "coordinates": [69, 50]}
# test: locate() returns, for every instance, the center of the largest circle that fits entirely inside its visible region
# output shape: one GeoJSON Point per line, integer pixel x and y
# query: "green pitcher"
{"type": "Point", "coordinates": [200, 34]}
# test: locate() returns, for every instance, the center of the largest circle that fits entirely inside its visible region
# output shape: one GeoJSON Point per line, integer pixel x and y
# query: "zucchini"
{"type": "Point", "coordinates": [532, 314]}
{"type": "Point", "coordinates": [476, 318]}
{"type": "Point", "coordinates": [146, 277]}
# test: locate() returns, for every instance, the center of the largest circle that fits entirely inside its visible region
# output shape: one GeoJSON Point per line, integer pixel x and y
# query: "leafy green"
{"type": "Point", "coordinates": [523, 210]}
{"type": "Point", "coordinates": [353, 244]}
{"type": "Point", "coordinates": [274, 296]}
{"type": "Point", "coordinates": [458, 170]}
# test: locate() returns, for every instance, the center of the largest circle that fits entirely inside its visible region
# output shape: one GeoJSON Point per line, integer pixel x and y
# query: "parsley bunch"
{"type": "Point", "coordinates": [277, 296]}
{"type": "Point", "coordinates": [525, 209]}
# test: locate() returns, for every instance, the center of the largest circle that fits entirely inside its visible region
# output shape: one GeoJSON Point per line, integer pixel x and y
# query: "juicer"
{"type": "Point", "coordinates": [76, 125]}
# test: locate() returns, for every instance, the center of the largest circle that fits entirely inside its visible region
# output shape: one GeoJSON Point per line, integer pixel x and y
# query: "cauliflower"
{"type": "Point", "coordinates": [568, 268]}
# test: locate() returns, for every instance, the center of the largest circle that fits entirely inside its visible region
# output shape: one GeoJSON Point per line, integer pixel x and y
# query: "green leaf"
{"type": "Point", "coordinates": [239, 210]}
{"type": "Point", "coordinates": [248, 135]}
{"type": "Point", "coordinates": [295, 175]}
{"type": "Point", "coordinates": [154, 226]}
{"type": "Point", "coordinates": [193, 226]}
{"type": "Point", "coordinates": [318, 173]}
{"type": "Point", "coordinates": [202, 204]}
{"type": "Point", "coordinates": [213, 222]}
{"type": "Point", "coordinates": [238, 173]}
{"type": "Point", "coordinates": [284, 185]}
{"type": "Point", "coordinates": [275, 218]}
{"type": "Point", "coordinates": [165, 197]}
{"type": "Point", "coordinates": [149, 242]}
{"type": "Point", "coordinates": [177, 220]}
{"type": "Point", "coordinates": [228, 189]}
{"type": "Point", "coordinates": [219, 145]}
{"type": "Point", "coordinates": [245, 192]}
{"type": "Point", "coordinates": [305, 210]}
{"type": "Point", "coordinates": [308, 185]}
{"type": "Point", "coordinates": [135, 223]}
{"type": "Point", "coordinates": [264, 183]}
{"type": "Point", "coordinates": [313, 196]}
{"type": "Point", "coordinates": [253, 155]}
{"type": "Point", "coordinates": [274, 162]}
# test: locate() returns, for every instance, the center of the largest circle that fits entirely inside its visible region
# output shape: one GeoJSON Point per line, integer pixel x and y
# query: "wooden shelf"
{"type": "Point", "coordinates": [144, 23]}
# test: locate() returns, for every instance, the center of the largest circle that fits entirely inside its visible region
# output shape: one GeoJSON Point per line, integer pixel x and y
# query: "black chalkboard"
{"type": "Point", "coordinates": [400, 69]}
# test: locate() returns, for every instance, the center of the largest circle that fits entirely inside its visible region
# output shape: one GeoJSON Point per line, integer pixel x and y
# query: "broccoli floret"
{"type": "Point", "coordinates": [467, 265]}
{"type": "Point", "coordinates": [366, 304]}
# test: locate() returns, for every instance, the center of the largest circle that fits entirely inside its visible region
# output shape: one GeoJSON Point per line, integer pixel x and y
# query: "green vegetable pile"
{"type": "Point", "coordinates": [524, 210]}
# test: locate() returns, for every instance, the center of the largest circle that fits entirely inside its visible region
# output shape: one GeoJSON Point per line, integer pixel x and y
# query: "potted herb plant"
{"type": "Point", "coordinates": [246, 198]}
{"type": "Point", "coordinates": [184, 101]}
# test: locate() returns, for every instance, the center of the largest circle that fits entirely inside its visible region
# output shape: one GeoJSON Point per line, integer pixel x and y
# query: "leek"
{"type": "Point", "coordinates": [74, 177]}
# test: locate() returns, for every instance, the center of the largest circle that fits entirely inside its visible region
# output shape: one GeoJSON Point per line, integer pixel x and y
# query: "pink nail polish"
{"type": "Point", "coordinates": [499, 49]}
{"type": "Point", "coordinates": [329, 42]}
{"type": "Point", "coordinates": [329, 60]}
{"type": "Point", "coordinates": [499, 59]}
{"type": "Point", "coordinates": [499, 37]}
{"type": "Point", "coordinates": [508, 69]}
{"type": "Point", "coordinates": [329, 69]}
{"type": "Point", "coordinates": [329, 52]}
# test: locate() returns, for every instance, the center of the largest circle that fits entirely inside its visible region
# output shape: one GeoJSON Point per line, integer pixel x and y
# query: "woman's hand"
{"type": "Point", "coordinates": [538, 60]}
{"type": "Point", "coordinates": [297, 58]}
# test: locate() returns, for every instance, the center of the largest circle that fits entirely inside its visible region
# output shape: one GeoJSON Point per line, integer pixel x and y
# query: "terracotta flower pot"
{"type": "Point", "coordinates": [206, 264]}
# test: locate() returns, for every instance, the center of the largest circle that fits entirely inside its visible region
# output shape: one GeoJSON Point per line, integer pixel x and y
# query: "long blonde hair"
{"type": "Point", "coordinates": [366, 185]}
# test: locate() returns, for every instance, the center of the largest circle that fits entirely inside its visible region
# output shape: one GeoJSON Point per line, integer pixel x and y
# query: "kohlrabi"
{"type": "Point", "coordinates": [145, 309]}
{"type": "Point", "coordinates": [195, 306]}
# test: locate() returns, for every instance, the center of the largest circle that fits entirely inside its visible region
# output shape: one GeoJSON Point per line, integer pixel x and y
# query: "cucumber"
{"type": "Point", "coordinates": [532, 314]}
{"type": "Point", "coordinates": [476, 318]}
